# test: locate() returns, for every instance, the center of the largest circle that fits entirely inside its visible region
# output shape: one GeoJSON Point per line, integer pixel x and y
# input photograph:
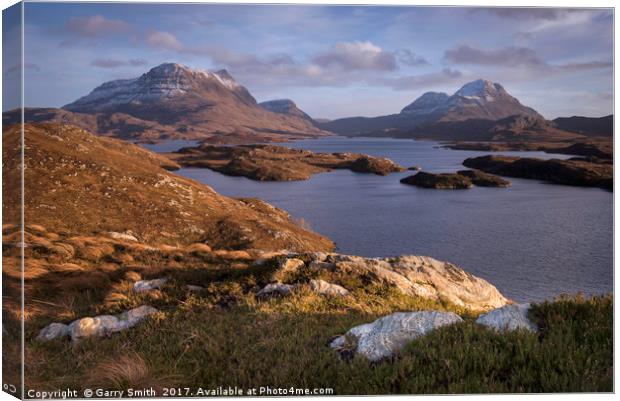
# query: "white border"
{"type": "Point", "coordinates": [488, 3]}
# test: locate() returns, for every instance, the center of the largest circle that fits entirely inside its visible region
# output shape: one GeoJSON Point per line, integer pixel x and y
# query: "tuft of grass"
{"type": "Point", "coordinates": [127, 369]}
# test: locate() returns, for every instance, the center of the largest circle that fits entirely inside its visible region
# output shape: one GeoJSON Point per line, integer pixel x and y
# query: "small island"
{"type": "Point", "coordinates": [278, 163]}
{"type": "Point", "coordinates": [463, 179]}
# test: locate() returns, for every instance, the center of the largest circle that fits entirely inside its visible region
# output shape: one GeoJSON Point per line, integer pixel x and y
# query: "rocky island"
{"type": "Point", "coordinates": [277, 163]}
{"type": "Point", "coordinates": [463, 179]}
{"type": "Point", "coordinates": [575, 171]}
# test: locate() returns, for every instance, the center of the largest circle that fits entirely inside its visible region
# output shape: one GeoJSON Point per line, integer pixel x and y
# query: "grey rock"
{"type": "Point", "coordinates": [276, 289]}
{"type": "Point", "coordinates": [389, 334]}
{"type": "Point", "coordinates": [508, 318]}
{"type": "Point", "coordinates": [134, 316]}
{"type": "Point", "coordinates": [53, 331]}
{"type": "Point", "coordinates": [195, 288]}
{"type": "Point", "coordinates": [149, 285]}
{"type": "Point", "coordinates": [323, 287]}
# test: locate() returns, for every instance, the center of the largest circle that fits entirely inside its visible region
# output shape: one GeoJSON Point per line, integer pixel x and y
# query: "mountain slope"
{"type": "Point", "coordinates": [480, 100]}
{"type": "Point", "coordinates": [85, 184]}
{"type": "Point", "coordinates": [286, 107]}
{"type": "Point", "coordinates": [175, 101]}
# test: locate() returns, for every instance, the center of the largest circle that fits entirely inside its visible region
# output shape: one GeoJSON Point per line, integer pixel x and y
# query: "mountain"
{"type": "Point", "coordinates": [175, 101]}
{"type": "Point", "coordinates": [485, 100]}
{"type": "Point", "coordinates": [480, 99]}
{"type": "Point", "coordinates": [286, 107]}
{"type": "Point", "coordinates": [588, 126]}
{"type": "Point", "coordinates": [426, 104]}
{"type": "Point", "coordinates": [89, 185]}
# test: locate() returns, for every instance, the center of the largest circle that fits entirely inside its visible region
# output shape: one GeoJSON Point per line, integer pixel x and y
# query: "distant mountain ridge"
{"type": "Point", "coordinates": [589, 126]}
{"type": "Point", "coordinates": [479, 99]}
{"type": "Point", "coordinates": [173, 101]}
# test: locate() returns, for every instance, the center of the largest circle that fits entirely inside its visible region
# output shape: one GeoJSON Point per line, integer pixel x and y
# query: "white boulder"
{"type": "Point", "coordinates": [508, 318]}
{"type": "Point", "coordinates": [389, 334]}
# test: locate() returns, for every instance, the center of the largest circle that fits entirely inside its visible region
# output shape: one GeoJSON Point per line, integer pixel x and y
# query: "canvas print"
{"type": "Point", "coordinates": [264, 200]}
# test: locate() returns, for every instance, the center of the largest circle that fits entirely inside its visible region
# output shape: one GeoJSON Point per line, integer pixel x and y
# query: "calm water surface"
{"type": "Point", "coordinates": [533, 240]}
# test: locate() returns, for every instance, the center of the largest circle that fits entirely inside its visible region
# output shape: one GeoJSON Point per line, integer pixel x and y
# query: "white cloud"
{"type": "Point", "coordinates": [356, 56]}
{"type": "Point", "coordinates": [163, 40]}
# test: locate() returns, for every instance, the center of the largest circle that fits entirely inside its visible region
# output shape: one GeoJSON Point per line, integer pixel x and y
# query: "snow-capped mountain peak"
{"type": "Point", "coordinates": [160, 83]}
{"type": "Point", "coordinates": [481, 89]}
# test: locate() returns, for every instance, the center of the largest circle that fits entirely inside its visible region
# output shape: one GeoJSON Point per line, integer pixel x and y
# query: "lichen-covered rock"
{"type": "Point", "coordinates": [508, 318]}
{"type": "Point", "coordinates": [53, 331]}
{"type": "Point", "coordinates": [149, 285]}
{"type": "Point", "coordinates": [424, 277]}
{"type": "Point", "coordinates": [276, 289]}
{"type": "Point", "coordinates": [389, 334]}
{"type": "Point", "coordinates": [323, 287]}
{"type": "Point", "coordinates": [107, 324]}
{"type": "Point", "coordinates": [93, 326]}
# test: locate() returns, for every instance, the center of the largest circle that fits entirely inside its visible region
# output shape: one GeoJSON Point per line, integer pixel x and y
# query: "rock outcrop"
{"type": "Point", "coordinates": [389, 334]}
{"type": "Point", "coordinates": [508, 318]}
{"type": "Point", "coordinates": [417, 276]}
{"type": "Point", "coordinates": [278, 163]}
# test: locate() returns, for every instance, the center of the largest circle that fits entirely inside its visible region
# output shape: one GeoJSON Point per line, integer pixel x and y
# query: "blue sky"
{"type": "Point", "coordinates": [333, 61]}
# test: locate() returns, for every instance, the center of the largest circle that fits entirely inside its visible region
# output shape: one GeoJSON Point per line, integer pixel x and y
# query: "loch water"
{"type": "Point", "coordinates": [533, 241]}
